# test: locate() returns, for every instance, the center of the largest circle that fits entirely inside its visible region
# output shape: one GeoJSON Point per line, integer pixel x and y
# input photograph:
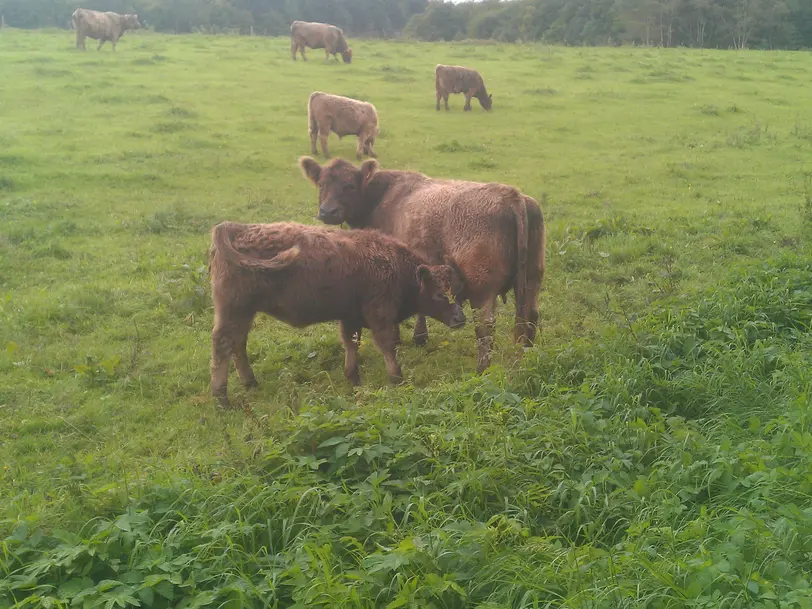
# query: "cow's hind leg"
{"type": "Point", "coordinates": [351, 337]}
{"type": "Point", "coordinates": [240, 333]}
{"type": "Point", "coordinates": [302, 51]}
{"type": "Point", "coordinates": [324, 133]}
{"type": "Point", "coordinates": [421, 332]}
{"type": "Point", "coordinates": [293, 48]}
{"type": "Point", "coordinates": [222, 347]}
{"type": "Point", "coordinates": [384, 337]}
{"type": "Point", "coordinates": [485, 321]}
{"type": "Point", "coordinates": [80, 40]}
{"type": "Point", "coordinates": [445, 100]}
{"type": "Point", "coordinates": [101, 44]}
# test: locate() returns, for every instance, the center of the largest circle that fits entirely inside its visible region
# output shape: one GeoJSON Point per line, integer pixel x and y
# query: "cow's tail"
{"type": "Point", "coordinates": [312, 125]}
{"type": "Point", "coordinates": [520, 282]}
{"type": "Point", "coordinates": [221, 246]}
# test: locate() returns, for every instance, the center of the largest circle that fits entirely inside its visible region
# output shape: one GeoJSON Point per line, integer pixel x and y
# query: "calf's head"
{"type": "Point", "coordinates": [347, 55]}
{"type": "Point", "coordinates": [438, 287]}
{"type": "Point", "coordinates": [341, 185]}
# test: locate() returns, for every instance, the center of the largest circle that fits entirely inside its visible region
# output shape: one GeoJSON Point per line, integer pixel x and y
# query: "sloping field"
{"type": "Point", "coordinates": [653, 450]}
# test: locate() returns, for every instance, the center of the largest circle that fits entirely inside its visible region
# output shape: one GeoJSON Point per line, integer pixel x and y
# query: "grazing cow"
{"type": "Point", "coordinates": [491, 234]}
{"type": "Point", "coordinates": [456, 79]}
{"type": "Point", "coordinates": [304, 275]}
{"type": "Point", "coordinates": [101, 26]}
{"type": "Point", "coordinates": [319, 36]}
{"type": "Point", "coordinates": [343, 116]}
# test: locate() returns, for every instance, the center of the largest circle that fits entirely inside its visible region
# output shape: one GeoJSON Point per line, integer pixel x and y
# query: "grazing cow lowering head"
{"type": "Point", "coordinates": [340, 186]}
{"type": "Point", "coordinates": [347, 55]}
{"type": "Point", "coordinates": [487, 102]}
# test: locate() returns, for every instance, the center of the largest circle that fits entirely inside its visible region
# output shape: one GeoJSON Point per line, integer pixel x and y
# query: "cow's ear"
{"type": "Point", "coordinates": [368, 169]}
{"type": "Point", "coordinates": [423, 273]}
{"type": "Point", "coordinates": [310, 168]}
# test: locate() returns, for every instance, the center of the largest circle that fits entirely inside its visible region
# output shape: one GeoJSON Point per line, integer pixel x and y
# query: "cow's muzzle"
{"type": "Point", "coordinates": [330, 215]}
{"type": "Point", "coordinates": [457, 318]}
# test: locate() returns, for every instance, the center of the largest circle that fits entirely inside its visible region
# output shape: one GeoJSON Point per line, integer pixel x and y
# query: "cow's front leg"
{"type": "Point", "coordinates": [101, 44]}
{"type": "Point", "coordinates": [421, 332]}
{"type": "Point", "coordinates": [384, 337]}
{"type": "Point", "coordinates": [485, 321]}
{"type": "Point", "coordinates": [467, 107]}
{"type": "Point", "coordinates": [351, 338]}
{"type": "Point", "coordinates": [397, 335]}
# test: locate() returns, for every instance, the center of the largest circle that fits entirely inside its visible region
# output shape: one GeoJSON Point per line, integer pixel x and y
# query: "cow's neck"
{"type": "Point", "coordinates": [371, 196]}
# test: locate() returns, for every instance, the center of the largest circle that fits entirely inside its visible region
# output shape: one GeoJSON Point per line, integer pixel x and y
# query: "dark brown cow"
{"type": "Point", "coordinates": [304, 275]}
{"type": "Point", "coordinates": [319, 36]}
{"type": "Point", "coordinates": [492, 234]}
{"type": "Point", "coordinates": [101, 26]}
{"type": "Point", "coordinates": [456, 79]}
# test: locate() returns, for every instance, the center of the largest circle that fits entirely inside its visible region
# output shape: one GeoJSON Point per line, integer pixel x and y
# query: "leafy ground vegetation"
{"type": "Point", "coordinates": [654, 450]}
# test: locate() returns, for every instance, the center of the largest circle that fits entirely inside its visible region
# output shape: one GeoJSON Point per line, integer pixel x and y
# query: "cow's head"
{"type": "Point", "coordinates": [347, 55]}
{"type": "Point", "coordinates": [439, 286]}
{"type": "Point", "coordinates": [486, 101]}
{"type": "Point", "coordinates": [132, 22]}
{"type": "Point", "coordinates": [341, 186]}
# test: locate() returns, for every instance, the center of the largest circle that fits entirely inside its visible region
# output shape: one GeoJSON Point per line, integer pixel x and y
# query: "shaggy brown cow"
{"type": "Point", "coordinates": [343, 116]}
{"type": "Point", "coordinates": [304, 275]}
{"type": "Point", "coordinates": [492, 234]}
{"type": "Point", "coordinates": [456, 79]}
{"type": "Point", "coordinates": [318, 36]}
{"type": "Point", "coordinates": [101, 26]}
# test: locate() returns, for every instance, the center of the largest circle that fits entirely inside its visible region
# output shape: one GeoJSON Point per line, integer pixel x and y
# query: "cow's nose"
{"type": "Point", "coordinates": [329, 215]}
{"type": "Point", "coordinates": [458, 318]}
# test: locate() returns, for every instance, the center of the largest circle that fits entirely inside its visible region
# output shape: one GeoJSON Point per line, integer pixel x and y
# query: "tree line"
{"type": "Point", "coordinates": [766, 24]}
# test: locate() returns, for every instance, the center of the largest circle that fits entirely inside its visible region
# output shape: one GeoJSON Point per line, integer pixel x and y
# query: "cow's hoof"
{"type": "Point", "coordinates": [421, 339]}
{"type": "Point", "coordinates": [251, 384]}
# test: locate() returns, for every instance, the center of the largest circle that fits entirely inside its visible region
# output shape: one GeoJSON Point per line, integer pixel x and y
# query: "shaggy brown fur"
{"type": "Point", "coordinates": [101, 26]}
{"type": "Point", "coordinates": [304, 275]}
{"type": "Point", "coordinates": [319, 36]}
{"type": "Point", "coordinates": [456, 79]}
{"type": "Point", "coordinates": [492, 234]}
{"type": "Point", "coordinates": [343, 116]}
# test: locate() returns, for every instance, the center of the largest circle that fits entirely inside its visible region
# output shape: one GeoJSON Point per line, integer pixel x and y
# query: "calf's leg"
{"type": "Point", "coordinates": [293, 48]}
{"type": "Point", "coordinates": [101, 44]}
{"type": "Point", "coordinates": [439, 97]}
{"type": "Point", "coordinates": [445, 99]}
{"type": "Point", "coordinates": [351, 337]}
{"type": "Point", "coordinates": [314, 134]}
{"type": "Point", "coordinates": [240, 334]}
{"type": "Point", "coordinates": [421, 332]}
{"type": "Point", "coordinates": [467, 107]}
{"type": "Point", "coordinates": [384, 337]}
{"type": "Point", "coordinates": [324, 132]}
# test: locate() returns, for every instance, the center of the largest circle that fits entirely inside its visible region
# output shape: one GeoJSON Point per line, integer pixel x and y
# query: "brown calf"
{"type": "Point", "coordinates": [319, 36]}
{"type": "Point", "coordinates": [304, 275]}
{"type": "Point", "coordinates": [456, 79]}
{"type": "Point", "coordinates": [343, 116]}
{"type": "Point", "coordinates": [491, 234]}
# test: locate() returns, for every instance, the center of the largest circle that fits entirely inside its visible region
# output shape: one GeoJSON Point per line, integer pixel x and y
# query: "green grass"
{"type": "Point", "coordinates": [653, 450]}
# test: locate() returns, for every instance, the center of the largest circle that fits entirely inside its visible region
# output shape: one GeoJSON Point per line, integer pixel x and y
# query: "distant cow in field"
{"type": "Point", "coordinates": [491, 234]}
{"type": "Point", "coordinates": [456, 79]}
{"type": "Point", "coordinates": [101, 26]}
{"type": "Point", "coordinates": [304, 275]}
{"type": "Point", "coordinates": [344, 116]}
{"type": "Point", "coordinates": [319, 36]}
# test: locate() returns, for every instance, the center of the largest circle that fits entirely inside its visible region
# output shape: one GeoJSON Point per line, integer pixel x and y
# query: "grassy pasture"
{"type": "Point", "coordinates": [652, 451]}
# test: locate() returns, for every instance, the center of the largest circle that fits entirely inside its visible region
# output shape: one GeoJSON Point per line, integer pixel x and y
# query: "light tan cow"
{"type": "Point", "coordinates": [343, 116]}
{"type": "Point", "coordinates": [101, 26]}
{"type": "Point", "coordinates": [319, 36]}
{"type": "Point", "coordinates": [456, 79]}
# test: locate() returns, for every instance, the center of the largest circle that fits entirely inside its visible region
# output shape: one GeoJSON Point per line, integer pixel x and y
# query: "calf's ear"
{"type": "Point", "coordinates": [310, 168]}
{"type": "Point", "coordinates": [368, 168]}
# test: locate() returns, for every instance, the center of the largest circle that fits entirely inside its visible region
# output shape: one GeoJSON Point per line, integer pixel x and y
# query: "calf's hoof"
{"type": "Point", "coordinates": [354, 378]}
{"type": "Point", "coordinates": [222, 399]}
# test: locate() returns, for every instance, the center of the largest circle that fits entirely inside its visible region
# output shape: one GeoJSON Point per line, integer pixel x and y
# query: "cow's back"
{"type": "Point", "coordinates": [448, 219]}
{"type": "Point", "coordinates": [456, 79]}
{"type": "Point", "coordinates": [95, 24]}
